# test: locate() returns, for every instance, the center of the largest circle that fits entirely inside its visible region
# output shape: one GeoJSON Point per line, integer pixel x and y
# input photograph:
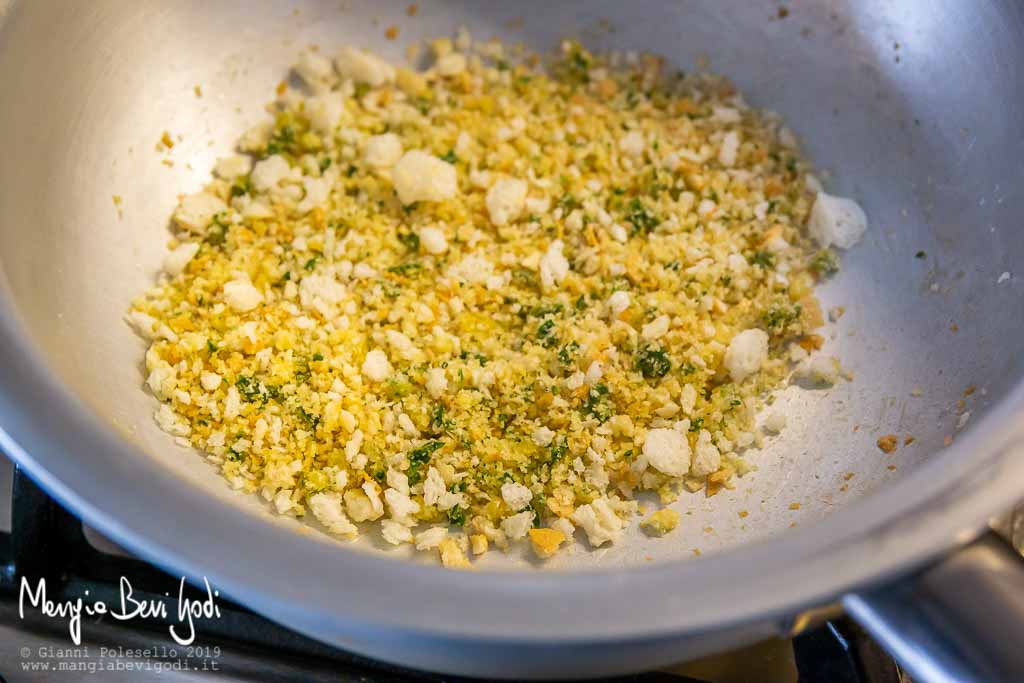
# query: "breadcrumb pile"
{"type": "Point", "coordinates": [491, 301]}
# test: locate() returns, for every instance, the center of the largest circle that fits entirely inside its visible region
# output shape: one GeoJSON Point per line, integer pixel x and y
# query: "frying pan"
{"type": "Point", "coordinates": [913, 108]}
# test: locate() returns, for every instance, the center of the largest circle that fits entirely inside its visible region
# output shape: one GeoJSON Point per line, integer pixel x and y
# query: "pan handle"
{"type": "Point", "coordinates": [959, 620]}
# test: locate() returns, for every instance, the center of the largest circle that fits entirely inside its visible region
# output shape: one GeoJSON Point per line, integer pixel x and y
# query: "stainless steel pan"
{"type": "Point", "coordinates": [915, 108]}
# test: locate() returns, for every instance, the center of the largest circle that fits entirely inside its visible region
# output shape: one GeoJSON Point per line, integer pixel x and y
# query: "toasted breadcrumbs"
{"type": "Point", "coordinates": [487, 297]}
{"type": "Point", "coordinates": [661, 522]}
{"type": "Point", "coordinates": [888, 443]}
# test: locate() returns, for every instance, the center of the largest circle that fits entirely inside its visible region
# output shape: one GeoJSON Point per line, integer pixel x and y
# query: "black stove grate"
{"type": "Point", "coordinates": [48, 542]}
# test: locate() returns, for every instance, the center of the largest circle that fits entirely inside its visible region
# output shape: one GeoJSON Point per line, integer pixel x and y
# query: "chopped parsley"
{"type": "Point", "coordinates": [255, 391]}
{"type": "Point", "coordinates": [558, 451]}
{"type": "Point", "coordinates": [283, 140]}
{"type": "Point", "coordinates": [546, 334]}
{"type": "Point", "coordinates": [449, 157]}
{"type": "Point", "coordinates": [780, 315]}
{"type": "Point", "coordinates": [440, 424]}
{"type": "Point", "coordinates": [302, 371]}
{"type": "Point", "coordinates": [406, 269]}
{"type": "Point", "coordinates": [598, 403]}
{"type": "Point", "coordinates": [399, 386]}
{"type": "Point", "coordinates": [217, 233]}
{"type": "Point", "coordinates": [418, 457]}
{"type": "Point", "coordinates": [765, 259]}
{"type": "Point", "coordinates": [576, 66]}
{"type": "Point", "coordinates": [241, 186]}
{"type": "Point", "coordinates": [568, 203]}
{"type": "Point", "coordinates": [567, 354]}
{"type": "Point", "coordinates": [640, 217]}
{"type": "Point", "coordinates": [410, 239]}
{"type": "Point", "coordinates": [653, 363]}
{"type": "Point", "coordinates": [537, 506]}
{"type": "Point", "coordinates": [308, 418]}
{"type": "Point", "coordinates": [825, 263]}
{"type": "Point", "coordinates": [541, 311]}
{"type": "Point", "coordinates": [457, 516]}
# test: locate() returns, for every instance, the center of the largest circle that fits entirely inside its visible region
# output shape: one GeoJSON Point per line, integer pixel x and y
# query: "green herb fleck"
{"type": "Point", "coordinates": [450, 157]}
{"type": "Point", "coordinates": [457, 516]}
{"type": "Point", "coordinates": [302, 371]}
{"type": "Point", "coordinates": [283, 140]}
{"type": "Point", "coordinates": [410, 239]}
{"type": "Point", "coordinates": [541, 311]}
{"type": "Point", "coordinates": [558, 451]}
{"type": "Point", "coordinates": [308, 418]}
{"type": "Point", "coordinates": [251, 389]}
{"type": "Point", "coordinates": [765, 259]}
{"type": "Point", "coordinates": [546, 334]}
{"type": "Point", "coordinates": [406, 269]}
{"type": "Point", "coordinates": [568, 203]}
{"type": "Point", "coordinates": [217, 233]}
{"type": "Point", "coordinates": [567, 353]}
{"type": "Point", "coordinates": [825, 263]}
{"type": "Point", "coordinates": [780, 315]}
{"type": "Point", "coordinates": [537, 505]}
{"type": "Point", "coordinates": [525, 277]}
{"type": "Point", "coordinates": [653, 363]}
{"type": "Point", "coordinates": [399, 386]}
{"type": "Point", "coordinates": [441, 424]}
{"type": "Point", "coordinates": [241, 186]}
{"type": "Point", "coordinates": [598, 403]}
{"type": "Point", "coordinates": [418, 457]}
{"type": "Point", "coordinates": [640, 217]}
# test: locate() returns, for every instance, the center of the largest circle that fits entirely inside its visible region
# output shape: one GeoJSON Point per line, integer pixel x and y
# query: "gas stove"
{"type": "Point", "coordinates": [40, 540]}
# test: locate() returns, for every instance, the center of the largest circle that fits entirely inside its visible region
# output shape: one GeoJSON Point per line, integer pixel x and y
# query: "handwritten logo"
{"type": "Point", "coordinates": [129, 607]}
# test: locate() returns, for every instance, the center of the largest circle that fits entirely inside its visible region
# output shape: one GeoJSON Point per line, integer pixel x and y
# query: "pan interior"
{"type": "Point", "coordinates": [909, 110]}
